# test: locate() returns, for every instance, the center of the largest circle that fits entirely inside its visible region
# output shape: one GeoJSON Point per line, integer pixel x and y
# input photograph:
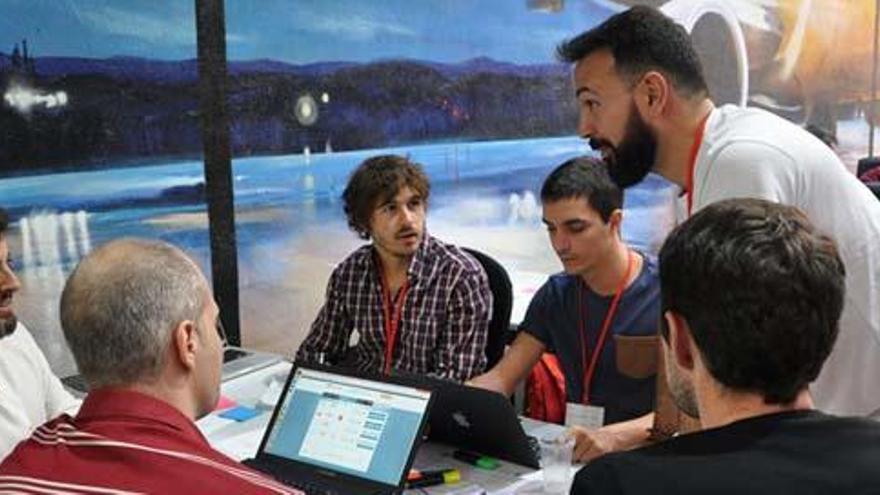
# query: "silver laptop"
{"type": "Point", "coordinates": [238, 361]}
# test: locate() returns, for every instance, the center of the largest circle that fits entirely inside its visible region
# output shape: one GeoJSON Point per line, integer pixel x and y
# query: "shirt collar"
{"type": "Point", "coordinates": [110, 402]}
{"type": "Point", "coordinates": [421, 264]}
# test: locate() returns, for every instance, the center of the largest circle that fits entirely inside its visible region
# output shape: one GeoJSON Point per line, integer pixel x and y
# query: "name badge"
{"type": "Point", "coordinates": [586, 416]}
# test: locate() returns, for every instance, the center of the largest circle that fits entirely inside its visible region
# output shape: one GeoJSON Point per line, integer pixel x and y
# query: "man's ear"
{"type": "Point", "coordinates": [615, 220]}
{"type": "Point", "coordinates": [680, 340]}
{"type": "Point", "coordinates": [186, 343]}
{"type": "Point", "coordinates": [652, 94]}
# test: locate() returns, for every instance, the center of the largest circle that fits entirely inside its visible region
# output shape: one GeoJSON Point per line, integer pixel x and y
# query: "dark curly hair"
{"type": "Point", "coordinates": [762, 291]}
{"type": "Point", "coordinates": [377, 180]}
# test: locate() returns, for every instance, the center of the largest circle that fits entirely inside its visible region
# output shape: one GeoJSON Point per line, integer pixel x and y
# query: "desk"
{"type": "Point", "coordinates": [240, 440]}
{"type": "Point", "coordinates": [261, 389]}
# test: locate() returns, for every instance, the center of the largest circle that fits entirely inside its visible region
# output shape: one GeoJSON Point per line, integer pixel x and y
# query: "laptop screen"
{"type": "Point", "coordinates": [351, 425]}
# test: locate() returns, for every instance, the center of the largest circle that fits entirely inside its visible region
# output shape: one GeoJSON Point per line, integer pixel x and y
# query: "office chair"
{"type": "Point", "coordinates": [867, 163]}
{"type": "Point", "coordinates": [502, 304]}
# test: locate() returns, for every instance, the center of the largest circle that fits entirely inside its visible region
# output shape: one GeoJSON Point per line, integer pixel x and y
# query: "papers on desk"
{"type": "Point", "coordinates": [508, 479]}
{"type": "Point", "coordinates": [540, 429]}
{"type": "Point", "coordinates": [238, 440]}
{"type": "Point", "coordinates": [533, 483]}
{"type": "Point", "coordinates": [473, 479]}
{"type": "Point", "coordinates": [239, 447]}
{"type": "Point", "coordinates": [211, 424]}
{"type": "Point", "coordinates": [257, 391]}
{"type": "Point", "coordinates": [273, 392]}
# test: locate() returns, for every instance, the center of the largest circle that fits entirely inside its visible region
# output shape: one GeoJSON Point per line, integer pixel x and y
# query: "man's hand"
{"type": "Point", "coordinates": [513, 368]}
{"type": "Point", "coordinates": [590, 444]}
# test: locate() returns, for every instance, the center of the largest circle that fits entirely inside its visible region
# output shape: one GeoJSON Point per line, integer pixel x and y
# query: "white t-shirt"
{"type": "Point", "coordinates": [748, 152]}
{"type": "Point", "coordinates": [30, 394]}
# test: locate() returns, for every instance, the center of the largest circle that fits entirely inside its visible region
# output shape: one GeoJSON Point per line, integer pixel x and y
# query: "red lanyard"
{"type": "Point", "coordinates": [609, 317]}
{"type": "Point", "coordinates": [392, 323]}
{"type": "Point", "coordinates": [692, 163]}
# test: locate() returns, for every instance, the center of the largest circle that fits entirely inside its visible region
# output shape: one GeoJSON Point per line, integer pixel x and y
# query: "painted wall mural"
{"type": "Point", "coordinates": [101, 127]}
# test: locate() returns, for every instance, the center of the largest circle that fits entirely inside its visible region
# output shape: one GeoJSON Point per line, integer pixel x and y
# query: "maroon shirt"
{"type": "Point", "coordinates": [126, 442]}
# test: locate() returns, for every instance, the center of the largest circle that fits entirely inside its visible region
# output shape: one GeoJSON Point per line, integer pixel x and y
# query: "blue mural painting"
{"type": "Point", "coordinates": [101, 133]}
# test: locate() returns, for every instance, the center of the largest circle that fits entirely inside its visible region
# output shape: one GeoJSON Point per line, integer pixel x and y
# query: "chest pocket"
{"type": "Point", "coordinates": [637, 356]}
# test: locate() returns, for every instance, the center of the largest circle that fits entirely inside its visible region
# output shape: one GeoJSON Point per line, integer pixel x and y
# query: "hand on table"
{"type": "Point", "coordinates": [592, 443]}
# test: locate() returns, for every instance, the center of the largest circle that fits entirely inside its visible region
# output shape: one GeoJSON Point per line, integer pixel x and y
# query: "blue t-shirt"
{"type": "Point", "coordinates": [553, 318]}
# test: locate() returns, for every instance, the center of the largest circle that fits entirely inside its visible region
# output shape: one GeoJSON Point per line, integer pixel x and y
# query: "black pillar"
{"type": "Point", "coordinates": [211, 40]}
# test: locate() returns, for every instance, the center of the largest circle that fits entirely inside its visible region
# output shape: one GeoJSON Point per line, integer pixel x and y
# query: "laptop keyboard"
{"type": "Point", "coordinates": [230, 354]}
{"type": "Point", "coordinates": [306, 487]}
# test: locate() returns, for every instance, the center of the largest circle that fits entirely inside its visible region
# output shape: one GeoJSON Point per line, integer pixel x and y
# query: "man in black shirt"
{"type": "Point", "coordinates": [751, 296]}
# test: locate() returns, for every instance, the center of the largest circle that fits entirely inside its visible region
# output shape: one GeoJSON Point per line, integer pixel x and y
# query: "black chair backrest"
{"type": "Point", "coordinates": [502, 304]}
{"type": "Point", "coordinates": [867, 163]}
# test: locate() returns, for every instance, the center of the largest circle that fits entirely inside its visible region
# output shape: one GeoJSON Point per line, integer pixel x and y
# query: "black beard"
{"type": "Point", "coordinates": [630, 161]}
{"type": "Point", "coordinates": [7, 326]}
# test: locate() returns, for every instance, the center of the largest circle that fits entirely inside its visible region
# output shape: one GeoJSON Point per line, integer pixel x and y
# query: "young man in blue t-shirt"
{"type": "Point", "coordinates": [608, 294]}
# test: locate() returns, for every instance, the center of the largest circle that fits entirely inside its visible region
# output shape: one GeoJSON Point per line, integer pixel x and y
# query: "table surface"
{"type": "Point", "coordinates": [261, 389]}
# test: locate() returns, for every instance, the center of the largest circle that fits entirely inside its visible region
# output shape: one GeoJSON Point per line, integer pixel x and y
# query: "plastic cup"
{"type": "Point", "coordinates": [556, 463]}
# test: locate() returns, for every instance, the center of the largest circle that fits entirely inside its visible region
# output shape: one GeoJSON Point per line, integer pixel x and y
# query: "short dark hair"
{"type": "Point", "coordinates": [762, 291]}
{"type": "Point", "coordinates": [4, 221]}
{"type": "Point", "coordinates": [642, 39]}
{"type": "Point", "coordinates": [584, 177]}
{"type": "Point", "coordinates": [377, 180]}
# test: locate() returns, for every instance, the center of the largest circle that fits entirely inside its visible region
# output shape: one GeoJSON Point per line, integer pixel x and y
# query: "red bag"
{"type": "Point", "coordinates": [545, 391]}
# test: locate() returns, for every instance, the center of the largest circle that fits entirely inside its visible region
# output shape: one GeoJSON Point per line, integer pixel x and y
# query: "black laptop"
{"type": "Point", "coordinates": [333, 432]}
{"type": "Point", "coordinates": [482, 421]}
{"type": "Point", "coordinates": [475, 419]}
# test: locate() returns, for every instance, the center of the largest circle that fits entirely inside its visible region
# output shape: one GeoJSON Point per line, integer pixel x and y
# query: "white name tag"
{"type": "Point", "coordinates": [585, 416]}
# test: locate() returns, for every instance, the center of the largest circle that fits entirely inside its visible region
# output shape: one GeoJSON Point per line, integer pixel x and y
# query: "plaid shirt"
{"type": "Point", "coordinates": [444, 322]}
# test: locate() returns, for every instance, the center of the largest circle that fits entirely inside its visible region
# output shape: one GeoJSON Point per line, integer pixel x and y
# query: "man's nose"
{"type": "Point", "coordinates": [586, 126]}
{"type": "Point", "coordinates": [561, 243]}
{"type": "Point", "coordinates": [408, 215]}
{"type": "Point", "coordinates": [8, 280]}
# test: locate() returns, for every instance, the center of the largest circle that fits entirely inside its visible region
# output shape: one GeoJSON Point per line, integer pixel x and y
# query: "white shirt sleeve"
{"type": "Point", "coordinates": [58, 399]}
{"type": "Point", "coordinates": [32, 394]}
{"type": "Point", "coordinates": [746, 170]}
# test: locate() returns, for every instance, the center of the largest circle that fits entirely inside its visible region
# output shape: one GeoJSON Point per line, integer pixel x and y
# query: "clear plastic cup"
{"type": "Point", "coordinates": [556, 463]}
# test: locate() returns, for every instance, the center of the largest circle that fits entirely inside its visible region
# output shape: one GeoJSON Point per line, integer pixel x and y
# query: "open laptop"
{"type": "Point", "coordinates": [476, 419]}
{"type": "Point", "coordinates": [237, 361]}
{"type": "Point", "coordinates": [334, 432]}
{"type": "Point", "coordinates": [482, 421]}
